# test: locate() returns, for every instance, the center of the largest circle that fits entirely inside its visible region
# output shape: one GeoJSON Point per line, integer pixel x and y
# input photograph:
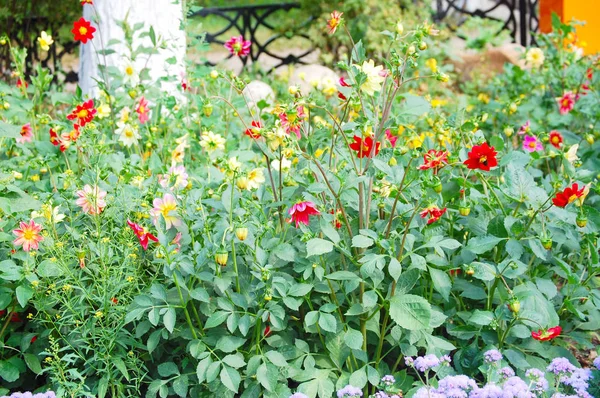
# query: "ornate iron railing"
{"type": "Point", "coordinates": [520, 17]}
{"type": "Point", "coordinates": [247, 20]}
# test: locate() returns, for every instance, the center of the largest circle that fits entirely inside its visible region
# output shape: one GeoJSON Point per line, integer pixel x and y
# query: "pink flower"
{"type": "Point", "coordinates": [177, 175]}
{"type": "Point", "coordinates": [567, 102]}
{"type": "Point", "coordinates": [177, 241]}
{"type": "Point", "coordinates": [532, 144]}
{"type": "Point", "coordinates": [343, 82]}
{"type": "Point", "coordinates": [391, 138]}
{"type": "Point", "coordinates": [91, 199]}
{"type": "Point", "coordinates": [525, 129]}
{"type": "Point", "coordinates": [142, 110]}
{"type": "Point", "coordinates": [26, 134]}
{"type": "Point", "coordinates": [238, 46]}
{"type": "Point", "coordinates": [28, 235]}
{"type": "Point", "coordinates": [292, 121]}
{"type": "Point", "coordinates": [142, 233]}
{"type": "Point", "coordinates": [334, 21]}
{"type": "Point", "coordinates": [167, 207]}
{"type": "Point", "coordinates": [301, 211]}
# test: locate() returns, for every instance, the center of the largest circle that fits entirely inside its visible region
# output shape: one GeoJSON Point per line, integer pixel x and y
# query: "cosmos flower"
{"type": "Point", "coordinates": [28, 235]}
{"type": "Point", "coordinates": [167, 208]}
{"type": "Point", "coordinates": [548, 334]}
{"type": "Point", "coordinates": [84, 113]}
{"type": "Point", "coordinates": [566, 103]}
{"type": "Point", "coordinates": [142, 110]}
{"type": "Point", "coordinates": [374, 78]}
{"type": "Point", "coordinates": [45, 41]}
{"type": "Point", "coordinates": [556, 139]}
{"type": "Point", "coordinates": [334, 21]}
{"type": "Point", "coordinates": [532, 144]}
{"type": "Point", "coordinates": [363, 146]}
{"type": "Point", "coordinates": [534, 57]}
{"type": "Point", "coordinates": [568, 195]}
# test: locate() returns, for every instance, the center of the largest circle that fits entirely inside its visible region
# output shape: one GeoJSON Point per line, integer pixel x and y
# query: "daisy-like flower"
{"type": "Point", "coordinates": [177, 176]}
{"type": "Point", "coordinates": [83, 30]}
{"type": "Point", "coordinates": [434, 159]}
{"type": "Point", "coordinates": [292, 120]}
{"type": "Point", "coordinates": [284, 165]}
{"type": "Point", "coordinates": [128, 134]}
{"type": "Point", "coordinates": [571, 154]}
{"type": "Point", "coordinates": [84, 113]}
{"type": "Point", "coordinates": [66, 139]}
{"type": "Point", "coordinates": [568, 195]}
{"type": "Point", "coordinates": [211, 141]}
{"type": "Point", "coordinates": [301, 211]}
{"type": "Point", "coordinates": [567, 102]}
{"type": "Point", "coordinates": [178, 153]}
{"type": "Point", "coordinates": [254, 131]}
{"type": "Point", "coordinates": [548, 334]}
{"type": "Point", "coordinates": [255, 178]}
{"type": "Point", "coordinates": [124, 114]}
{"type": "Point", "coordinates": [142, 110]}
{"type": "Point", "coordinates": [556, 139]}
{"type": "Point", "coordinates": [45, 41]}
{"type": "Point", "coordinates": [238, 46]}
{"type": "Point", "coordinates": [130, 74]}
{"type": "Point", "coordinates": [526, 128]}
{"type": "Point", "coordinates": [433, 212]}
{"type": "Point", "coordinates": [167, 207]}
{"type": "Point", "coordinates": [26, 134]}
{"type": "Point", "coordinates": [482, 157]}
{"type": "Point", "coordinates": [234, 165]}
{"type": "Point", "coordinates": [532, 144]}
{"type": "Point", "coordinates": [334, 21]}
{"type": "Point", "coordinates": [374, 77]}
{"type": "Point", "coordinates": [142, 234]}
{"type": "Point", "coordinates": [103, 111]}
{"type": "Point", "coordinates": [28, 235]}
{"type": "Point", "coordinates": [91, 199]}
{"type": "Point", "coordinates": [535, 57]}
{"type": "Point", "coordinates": [363, 146]}
{"type": "Point", "coordinates": [51, 214]}
{"type": "Point", "coordinates": [431, 63]}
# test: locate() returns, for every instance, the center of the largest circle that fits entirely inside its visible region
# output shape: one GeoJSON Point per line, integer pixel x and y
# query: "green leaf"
{"type": "Point", "coordinates": [482, 244]}
{"type": "Point", "coordinates": [169, 319]}
{"type": "Point", "coordinates": [395, 268]}
{"type": "Point", "coordinates": [229, 343]}
{"type": "Point", "coordinates": [216, 319]}
{"type": "Point", "coordinates": [353, 339]}
{"type": "Point", "coordinates": [328, 322]}
{"type": "Point", "coordinates": [481, 318]}
{"type": "Point", "coordinates": [200, 294]}
{"type": "Point", "coordinates": [202, 368]}
{"type": "Point", "coordinates": [361, 241]}
{"type": "Point", "coordinates": [9, 130]}
{"type": "Point", "coordinates": [230, 378]}
{"type": "Point", "coordinates": [484, 271]}
{"type": "Point", "coordinates": [33, 363]}
{"type": "Point", "coordinates": [407, 281]}
{"type": "Point", "coordinates": [8, 371]}
{"type": "Point", "coordinates": [318, 246]}
{"type": "Point", "coordinates": [48, 269]}
{"type": "Point", "coordinates": [181, 385]}
{"type": "Point", "coordinates": [329, 231]}
{"type": "Point", "coordinates": [285, 251]}
{"type": "Point", "coordinates": [410, 312]}
{"type": "Point", "coordinates": [343, 276]}
{"type": "Point", "coordinates": [119, 364]}
{"type": "Point", "coordinates": [276, 358]}
{"type": "Point", "coordinates": [167, 369]}
{"type": "Point", "coordinates": [414, 105]}
{"type": "Point", "coordinates": [441, 282]}
{"type": "Point", "coordinates": [516, 359]}
{"type": "Point", "coordinates": [266, 375]}
{"type": "Point", "coordinates": [300, 289]}
{"type": "Point", "coordinates": [518, 182]}
{"type": "Point", "coordinates": [24, 294]}
{"type": "Point", "coordinates": [234, 360]}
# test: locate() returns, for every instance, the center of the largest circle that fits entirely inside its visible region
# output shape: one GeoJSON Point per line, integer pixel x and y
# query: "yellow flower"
{"type": "Point", "coordinates": [571, 154]}
{"type": "Point", "coordinates": [211, 141]}
{"type": "Point", "coordinates": [234, 164]}
{"type": "Point", "coordinates": [431, 63]}
{"type": "Point", "coordinates": [374, 77]}
{"type": "Point", "coordinates": [483, 97]}
{"type": "Point", "coordinates": [103, 111]}
{"type": "Point", "coordinates": [437, 102]}
{"type": "Point", "coordinates": [535, 57]}
{"type": "Point", "coordinates": [255, 178]}
{"type": "Point", "coordinates": [586, 191]}
{"type": "Point", "coordinates": [45, 41]}
{"type": "Point", "coordinates": [99, 314]}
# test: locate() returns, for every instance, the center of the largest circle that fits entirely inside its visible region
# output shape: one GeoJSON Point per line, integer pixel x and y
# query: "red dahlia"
{"type": "Point", "coordinates": [569, 195]}
{"type": "Point", "coordinates": [84, 113]}
{"type": "Point", "coordinates": [545, 335]}
{"type": "Point", "coordinates": [433, 159]}
{"type": "Point", "coordinates": [364, 146]}
{"type": "Point", "coordinates": [482, 157]}
{"type": "Point", "coordinates": [83, 30]}
{"type": "Point", "coordinates": [254, 131]}
{"type": "Point", "coordinates": [556, 139]}
{"type": "Point", "coordinates": [434, 213]}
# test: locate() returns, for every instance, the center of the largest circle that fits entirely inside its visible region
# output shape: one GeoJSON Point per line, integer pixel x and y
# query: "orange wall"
{"type": "Point", "coordinates": [581, 10]}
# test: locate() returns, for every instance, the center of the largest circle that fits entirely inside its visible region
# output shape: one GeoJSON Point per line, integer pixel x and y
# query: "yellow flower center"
{"type": "Point", "coordinates": [483, 159]}
{"type": "Point", "coordinates": [166, 208]}
{"type": "Point", "coordinates": [565, 102]}
{"type": "Point", "coordinates": [28, 234]}
{"type": "Point", "coordinates": [555, 140]}
{"type": "Point", "coordinates": [573, 198]}
{"type": "Point", "coordinates": [82, 113]}
{"type": "Point", "coordinates": [83, 30]}
{"type": "Point", "coordinates": [532, 144]}
{"type": "Point", "coordinates": [128, 133]}
{"type": "Point", "coordinates": [129, 70]}
{"type": "Point", "coordinates": [142, 109]}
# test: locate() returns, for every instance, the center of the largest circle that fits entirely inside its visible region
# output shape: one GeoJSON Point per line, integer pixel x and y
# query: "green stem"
{"type": "Point", "coordinates": [184, 306]}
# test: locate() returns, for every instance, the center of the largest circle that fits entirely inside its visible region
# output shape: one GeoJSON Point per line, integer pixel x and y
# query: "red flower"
{"type": "Point", "coordinates": [267, 331]}
{"type": "Point", "coordinates": [254, 132]}
{"type": "Point", "coordinates": [142, 110]}
{"type": "Point", "coordinates": [556, 139]}
{"type": "Point", "coordinates": [84, 2]}
{"type": "Point", "coordinates": [434, 159]}
{"type": "Point", "coordinates": [455, 272]}
{"type": "Point", "coordinates": [364, 146]}
{"type": "Point", "coordinates": [83, 30]}
{"type": "Point", "coordinates": [84, 113]}
{"type": "Point", "coordinates": [21, 82]}
{"type": "Point", "coordinates": [342, 96]}
{"type": "Point", "coordinates": [337, 223]}
{"type": "Point", "coordinates": [301, 211]}
{"type": "Point", "coordinates": [545, 335]}
{"type": "Point", "coordinates": [590, 73]}
{"type": "Point", "coordinates": [334, 21]}
{"type": "Point", "coordinates": [391, 138]}
{"type": "Point", "coordinates": [292, 121]}
{"type": "Point", "coordinates": [482, 157]}
{"type": "Point", "coordinates": [114, 300]}
{"type": "Point", "coordinates": [569, 195]}
{"type": "Point", "coordinates": [433, 212]}
{"type": "Point", "coordinates": [238, 46]}
{"type": "Point", "coordinates": [65, 139]}
{"type": "Point", "coordinates": [33, 339]}
{"type": "Point", "coordinates": [142, 234]}
{"type": "Point", "coordinates": [343, 82]}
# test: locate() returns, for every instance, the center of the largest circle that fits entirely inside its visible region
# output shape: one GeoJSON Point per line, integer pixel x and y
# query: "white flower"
{"type": "Point", "coordinates": [535, 57]}
{"type": "Point", "coordinates": [211, 141]}
{"type": "Point", "coordinates": [49, 213]}
{"type": "Point", "coordinates": [255, 178]}
{"type": "Point", "coordinates": [284, 165]}
{"type": "Point", "coordinates": [124, 115]}
{"type": "Point", "coordinates": [128, 135]}
{"type": "Point", "coordinates": [103, 111]}
{"type": "Point", "coordinates": [374, 77]}
{"type": "Point", "coordinates": [234, 164]}
{"type": "Point", "coordinates": [571, 154]}
{"type": "Point", "coordinates": [130, 75]}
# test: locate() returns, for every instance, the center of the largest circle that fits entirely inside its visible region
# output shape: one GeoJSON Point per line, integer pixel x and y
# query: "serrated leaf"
{"type": "Point", "coordinates": [328, 322]}
{"type": "Point", "coordinates": [482, 244]}
{"type": "Point", "coordinates": [318, 246]}
{"type": "Point", "coordinates": [353, 339]}
{"type": "Point", "coordinates": [410, 312]}
{"type": "Point", "coordinates": [230, 378]}
{"type": "Point", "coordinates": [361, 241]}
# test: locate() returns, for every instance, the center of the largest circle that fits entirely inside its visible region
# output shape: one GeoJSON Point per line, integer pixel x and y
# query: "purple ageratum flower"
{"type": "Point", "coordinates": [597, 363]}
{"type": "Point", "coordinates": [381, 394]}
{"type": "Point", "coordinates": [423, 364]}
{"type": "Point", "coordinates": [48, 394]}
{"type": "Point", "coordinates": [506, 372]}
{"type": "Point", "coordinates": [532, 144]}
{"type": "Point", "coordinates": [388, 380]}
{"type": "Point", "coordinates": [409, 361]}
{"type": "Point", "coordinates": [456, 386]}
{"type": "Point", "coordinates": [540, 383]}
{"type": "Point", "coordinates": [517, 387]}
{"type": "Point", "coordinates": [428, 392]}
{"type": "Point", "coordinates": [488, 391]}
{"type": "Point", "coordinates": [445, 360]}
{"type": "Point", "coordinates": [492, 356]}
{"type": "Point", "coordinates": [561, 366]}
{"type": "Point", "coordinates": [349, 392]}
{"type": "Point", "coordinates": [578, 380]}
{"type": "Point", "coordinates": [298, 395]}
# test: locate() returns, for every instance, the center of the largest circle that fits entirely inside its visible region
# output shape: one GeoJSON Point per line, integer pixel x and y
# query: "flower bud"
{"type": "Point", "coordinates": [132, 93]}
{"type": "Point", "coordinates": [422, 46]}
{"type": "Point", "coordinates": [207, 109]}
{"type": "Point", "coordinates": [470, 270]}
{"type": "Point", "coordinates": [546, 243]}
{"type": "Point", "coordinates": [3, 41]}
{"type": "Point", "coordinates": [399, 28]}
{"type": "Point", "coordinates": [512, 108]}
{"type": "Point", "coordinates": [393, 161]}
{"type": "Point", "coordinates": [464, 210]}
{"type": "Point", "coordinates": [221, 257]}
{"type": "Point", "coordinates": [590, 139]}
{"type": "Point", "coordinates": [437, 186]}
{"type": "Point", "coordinates": [411, 50]}
{"type": "Point", "coordinates": [508, 131]}
{"type": "Point", "coordinates": [6, 106]}
{"type": "Point", "coordinates": [581, 220]}
{"type": "Point", "coordinates": [214, 74]}
{"type": "Point", "coordinates": [293, 90]}
{"type": "Point", "coordinates": [484, 117]}
{"type": "Point", "coordinates": [241, 233]}
{"type": "Point", "coordinates": [514, 306]}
